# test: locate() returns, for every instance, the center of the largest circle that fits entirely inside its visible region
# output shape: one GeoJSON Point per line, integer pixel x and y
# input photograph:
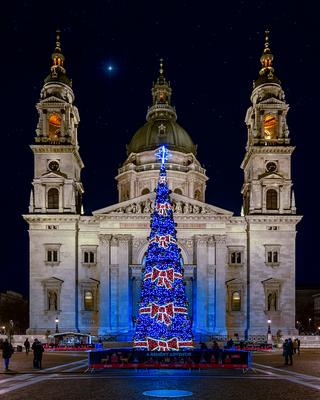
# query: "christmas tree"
{"type": "Point", "coordinates": [163, 323]}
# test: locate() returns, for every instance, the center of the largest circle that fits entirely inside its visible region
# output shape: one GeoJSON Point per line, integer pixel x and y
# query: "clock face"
{"type": "Point", "coordinates": [271, 166]}
{"type": "Point", "coordinates": [53, 166]}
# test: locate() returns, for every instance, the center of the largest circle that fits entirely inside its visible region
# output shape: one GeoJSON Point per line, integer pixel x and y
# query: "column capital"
{"type": "Point", "coordinates": [201, 239]}
{"type": "Point", "coordinates": [104, 239]}
{"type": "Point", "coordinates": [123, 237]}
{"type": "Point", "coordinates": [220, 239]}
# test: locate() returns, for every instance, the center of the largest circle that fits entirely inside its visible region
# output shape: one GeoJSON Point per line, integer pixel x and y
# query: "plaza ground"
{"type": "Point", "coordinates": [63, 377]}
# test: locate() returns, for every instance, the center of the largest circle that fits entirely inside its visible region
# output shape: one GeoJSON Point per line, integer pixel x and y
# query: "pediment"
{"type": "Point", "coordinates": [52, 99]}
{"type": "Point", "coordinates": [270, 175]}
{"type": "Point", "coordinates": [54, 174]}
{"type": "Point", "coordinates": [271, 282]}
{"type": "Point", "coordinates": [52, 281]}
{"type": "Point", "coordinates": [234, 282]}
{"type": "Point", "coordinates": [181, 205]}
{"type": "Point", "coordinates": [272, 100]}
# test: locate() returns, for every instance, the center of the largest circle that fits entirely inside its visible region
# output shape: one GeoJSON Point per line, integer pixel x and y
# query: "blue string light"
{"type": "Point", "coordinates": [162, 283]}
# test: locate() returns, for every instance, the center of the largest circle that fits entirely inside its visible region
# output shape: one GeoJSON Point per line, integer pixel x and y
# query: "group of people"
{"type": "Point", "coordinates": [289, 349]}
{"type": "Point", "coordinates": [37, 348]}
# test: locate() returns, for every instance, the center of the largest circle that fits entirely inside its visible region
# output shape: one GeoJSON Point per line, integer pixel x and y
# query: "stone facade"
{"type": "Point", "coordinates": [239, 271]}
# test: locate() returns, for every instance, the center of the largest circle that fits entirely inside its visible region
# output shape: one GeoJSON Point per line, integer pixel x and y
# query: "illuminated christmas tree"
{"type": "Point", "coordinates": [163, 323]}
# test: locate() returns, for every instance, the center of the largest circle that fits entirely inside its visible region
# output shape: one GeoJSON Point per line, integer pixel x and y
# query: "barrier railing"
{"type": "Point", "coordinates": [200, 359]}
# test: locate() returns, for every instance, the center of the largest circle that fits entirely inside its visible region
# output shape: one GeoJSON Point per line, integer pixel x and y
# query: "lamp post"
{"type": "Point", "coordinates": [269, 336]}
{"type": "Point", "coordinates": [57, 325]}
{"type": "Point", "coordinates": [11, 330]}
{"type": "Point", "coordinates": [309, 326]}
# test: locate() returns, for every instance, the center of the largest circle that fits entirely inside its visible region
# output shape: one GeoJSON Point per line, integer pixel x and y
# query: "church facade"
{"type": "Point", "coordinates": [86, 270]}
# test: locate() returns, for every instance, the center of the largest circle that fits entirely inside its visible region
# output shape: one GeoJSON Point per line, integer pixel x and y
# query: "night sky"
{"type": "Point", "coordinates": [211, 51]}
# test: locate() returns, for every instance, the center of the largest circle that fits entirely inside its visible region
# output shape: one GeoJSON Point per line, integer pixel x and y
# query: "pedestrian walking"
{"type": "Point", "coordinates": [298, 341]}
{"type": "Point", "coordinates": [7, 351]}
{"type": "Point", "coordinates": [37, 353]}
{"type": "Point", "coordinates": [27, 346]}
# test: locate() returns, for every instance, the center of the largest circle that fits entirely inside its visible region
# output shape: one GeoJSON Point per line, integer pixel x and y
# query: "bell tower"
{"type": "Point", "coordinates": [267, 185]}
{"type": "Point", "coordinates": [57, 186]}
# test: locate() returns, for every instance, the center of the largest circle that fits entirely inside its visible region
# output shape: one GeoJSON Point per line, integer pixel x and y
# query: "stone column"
{"type": "Point", "coordinates": [123, 261]}
{"type": "Point", "coordinates": [211, 285]}
{"type": "Point", "coordinates": [132, 188]}
{"type": "Point", "coordinates": [104, 295]}
{"type": "Point", "coordinates": [202, 274]}
{"type": "Point", "coordinates": [191, 188]}
{"type": "Point", "coordinates": [221, 260]}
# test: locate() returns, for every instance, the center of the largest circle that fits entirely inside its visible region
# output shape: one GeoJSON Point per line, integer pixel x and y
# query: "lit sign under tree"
{"type": "Point", "coordinates": [163, 323]}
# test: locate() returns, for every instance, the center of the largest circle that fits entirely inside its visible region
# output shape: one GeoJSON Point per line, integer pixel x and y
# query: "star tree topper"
{"type": "Point", "coordinates": [163, 154]}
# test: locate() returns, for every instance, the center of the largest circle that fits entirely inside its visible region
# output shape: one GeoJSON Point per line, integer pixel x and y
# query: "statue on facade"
{"type": "Point", "coordinates": [147, 208]}
{"type": "Point", "coordinates": [52, 300]}
{"type": "Point", "coordinates": [272, 301]}
{"type": "Point", "coordinates": [178, 207]}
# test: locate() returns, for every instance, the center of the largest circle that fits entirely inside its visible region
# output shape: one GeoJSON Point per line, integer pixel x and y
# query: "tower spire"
{"type": "Point", "coordinates": [267, 71]}
{"type": "Point", "coordinates": [161, 78]}
{"type": "Point", "coordinates": [161, 97]}
{"type": "Point", "coordinates": [58, 72]}
{"type": "Point", "coordinates": [58, 43]}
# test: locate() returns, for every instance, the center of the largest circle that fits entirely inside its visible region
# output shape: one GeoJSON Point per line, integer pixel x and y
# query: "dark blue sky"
{"type": "Point", "coordinates": [211, 52]}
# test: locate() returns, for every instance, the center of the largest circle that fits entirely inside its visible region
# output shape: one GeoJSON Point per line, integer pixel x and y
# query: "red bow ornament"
{"type": "Point", "coordinates": [162, 208]}
{"type": "Point", "coordinates": [163, 313]}
{"type": "Point", "coordinates": [163, 241]}
{"type": "Point", "coordinates": [162, 345]}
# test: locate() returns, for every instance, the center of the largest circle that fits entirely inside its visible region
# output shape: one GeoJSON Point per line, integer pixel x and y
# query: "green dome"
{"type": "Point", "coordinates": [161, 131]}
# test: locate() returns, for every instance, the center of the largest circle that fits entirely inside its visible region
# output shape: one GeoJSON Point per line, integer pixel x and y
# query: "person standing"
{"type": "Point", "coordinates": [7, 351]}
{"type": "Point", "coordinates": [298, 348]}
{"type": "Point", "coordinates": [290, 344]}
{"type": "Point", "coordinates": [37, 353]}
{"type": "Point", "coordinates": [27, 346]}
{"type": "Point", "coordinates": [285, 352]}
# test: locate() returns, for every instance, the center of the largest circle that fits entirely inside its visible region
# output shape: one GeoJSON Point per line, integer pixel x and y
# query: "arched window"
{"type": "Point", "coordinates": [270, 127]}
{"type": "Point", "coordinates": [54, 127]}
{"type": "Point", "coordinates": [197, 195]}
{"type": "Point", "coordinates": [272, 199]}
{"type": "Point", "coordinates": [236, 301]}
{"type": "Point", "coordinates": [178, 191]}
{"type": "Point", "coordinates": [53, 198]}
{"type": "Point", "coordinates": [145, 191]}
{"type": "Point", "coordinates": [88, 300]}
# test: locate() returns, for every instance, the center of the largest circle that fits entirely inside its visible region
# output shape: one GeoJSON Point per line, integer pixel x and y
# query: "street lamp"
{"type": "Point", "coordinates": [57, 325]}
{"type": "Point", "coordinates": [309, 325]}
{"type": "Point", "coordinates": [269, 336]}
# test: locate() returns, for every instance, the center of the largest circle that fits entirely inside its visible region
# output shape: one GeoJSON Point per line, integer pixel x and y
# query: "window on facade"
{"type": "Point", "coordinates": [88, 257]}
{"type": "Point", "coordinates": [270, 126]}
{"type": "Point", "coordinates": [88, 300]}
{"type": "Point", "coordinates": [178, 191]}
{"type": "Point", "coordinates": [236, 301]}
{"type": "Point", "coordinates": [52, 255]}
{"type": "Point", "coordinates": [54, 122]}
{"type": "Point", "coordinates": [53, 198]}
{"type": "Point", "coordinates": [272, 199]}
{"type": "Point", "coordinates": [235, 257]}
{"type": "Point", "coordinates": [145, 191]}
{"type": "Point", "coordinates": [272, 257]}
